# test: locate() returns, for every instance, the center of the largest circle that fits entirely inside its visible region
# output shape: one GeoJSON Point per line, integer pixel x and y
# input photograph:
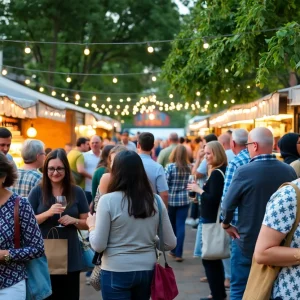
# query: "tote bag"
{"type": "Point", "coordinates": [215, 240]}
{"type": "Point", "coordinates": [56, 250]}
{"type": "Point", "coordinates": [261, 278]}
{"type": "Point", "coordinates": [163, 285]}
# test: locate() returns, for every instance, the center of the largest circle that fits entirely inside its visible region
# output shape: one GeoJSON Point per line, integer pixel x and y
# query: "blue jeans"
{"type": "Point", "coordinates": [178, 215]}
{"type": "Point", "coordinates": [198, 243]}
{"type": "Point", "coordinates": [240, 269]}
{"type": "Point", "coordinates": [126, 285]}
{"type": "Point", "coordinates": [227, 265]}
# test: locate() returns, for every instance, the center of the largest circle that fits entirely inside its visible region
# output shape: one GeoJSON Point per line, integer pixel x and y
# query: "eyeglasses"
{"type": "Point", "coordinates": [250, 143]}
{"type": "Point", "coordinates": [59, 170]}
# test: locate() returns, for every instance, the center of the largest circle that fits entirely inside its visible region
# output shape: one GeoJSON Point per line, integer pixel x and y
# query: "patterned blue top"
{"type": "Point", "coordinates": [280, 215]}
{"type": "Point", "coordinates": [32, 245]}
{"type": "Point", "coordinates": [241, 159]}
{"type": "Point", "coordinates": [178, 194]}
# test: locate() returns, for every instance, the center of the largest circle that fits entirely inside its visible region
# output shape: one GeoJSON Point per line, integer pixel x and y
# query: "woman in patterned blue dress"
{"type": "Point", "coordinates": [12, 260]}
{"type": "Point", "coordinates": [279, 218]}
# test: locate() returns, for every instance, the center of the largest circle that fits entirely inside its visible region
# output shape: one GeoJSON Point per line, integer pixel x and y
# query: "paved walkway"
{"type": "Point", "coordinates": [187, 274]}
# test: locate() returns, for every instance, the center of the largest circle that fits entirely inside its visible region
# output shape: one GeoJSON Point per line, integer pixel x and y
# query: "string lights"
{"type": "Point", "coordinates": [27, 49]}
{"type": "Point", "coordinates": [4, 72]}
{"type": "Point", "coordinates": [68, 79]}
{"type": "Point", "coordinates": [115, 80]}
{"type": "Point", "coordinates": [86, 50]}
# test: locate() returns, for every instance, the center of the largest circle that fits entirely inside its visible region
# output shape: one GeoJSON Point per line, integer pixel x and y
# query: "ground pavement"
{"type": "Point", "coordinates": [187, 274]}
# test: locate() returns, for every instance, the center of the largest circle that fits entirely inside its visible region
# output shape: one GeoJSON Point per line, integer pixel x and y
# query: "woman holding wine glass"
{"type": "Point", "coordinates": [177, 175]}
{"type": "Point", "coordinates": [211, 195]}
{"type": "Point", "coordinates": [58, 202]}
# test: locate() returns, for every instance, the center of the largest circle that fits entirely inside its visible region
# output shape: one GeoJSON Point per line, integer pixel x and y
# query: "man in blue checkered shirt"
{"type": "Point", "coordinates": [33, 154]}
{"type": "Point", "coordinates": [238, 141]}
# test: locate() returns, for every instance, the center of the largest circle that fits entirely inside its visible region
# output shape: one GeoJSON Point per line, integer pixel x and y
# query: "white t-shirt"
{"type": "Point", "coordinates": [90, 164]}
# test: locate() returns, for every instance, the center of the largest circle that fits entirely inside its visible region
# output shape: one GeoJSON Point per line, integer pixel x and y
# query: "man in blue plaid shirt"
{"type": "Point", "coordinates": [238, 141]}
{"type": "Point", "coordinates": [33, 154]}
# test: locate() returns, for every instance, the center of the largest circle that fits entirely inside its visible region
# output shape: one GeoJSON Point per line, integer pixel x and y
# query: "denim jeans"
{"type": "Point", "coordinates": [178, 215]}
{"type": "Point", "coordinates": [14, 292]}
{"type": "Point", "coordinates": [240, 269]}
{"type": "Point", "coordinates": [198, 243]}
{"type": "Point", "coordinates": [227, 265]}
{"type": "Point", "coordinates": [126, 285]}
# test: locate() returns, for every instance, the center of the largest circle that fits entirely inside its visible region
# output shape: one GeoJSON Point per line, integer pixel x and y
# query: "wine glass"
{"type": "Point", "coordinates": [192, 194]}
{"type": "Point", "coordinates": [63, 201]}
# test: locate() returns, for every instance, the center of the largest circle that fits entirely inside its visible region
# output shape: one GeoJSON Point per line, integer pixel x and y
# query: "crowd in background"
{"type": "Point", "coordinates": [235, 173]}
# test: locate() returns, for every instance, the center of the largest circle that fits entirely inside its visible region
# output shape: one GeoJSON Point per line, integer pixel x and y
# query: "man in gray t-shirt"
{"type": "Point", "coordinates": [154, 170]}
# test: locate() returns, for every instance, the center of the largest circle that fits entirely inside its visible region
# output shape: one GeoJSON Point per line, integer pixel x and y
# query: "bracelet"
{"type": "Point", "coordinates": [226, 227]}
{"type": "Point", "coordinates": [91, 228]}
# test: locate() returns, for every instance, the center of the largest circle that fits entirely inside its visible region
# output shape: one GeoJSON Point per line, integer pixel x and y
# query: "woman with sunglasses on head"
{"type": "Point", "coordinates": [58, 181]}
{"type": "Point", "coordinates": [125, 229]}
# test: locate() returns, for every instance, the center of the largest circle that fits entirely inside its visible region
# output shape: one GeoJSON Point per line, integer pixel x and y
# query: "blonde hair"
{"type": "Point", "coordinates": [219, 155]}
{"type": "Point", "coordinates": [179, 156]}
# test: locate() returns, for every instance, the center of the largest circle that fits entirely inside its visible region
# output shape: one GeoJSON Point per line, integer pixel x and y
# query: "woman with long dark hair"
{"type": "Point", "coordinates": [58, 181]}
{"type": "Point", "coordinates": [125, 229]}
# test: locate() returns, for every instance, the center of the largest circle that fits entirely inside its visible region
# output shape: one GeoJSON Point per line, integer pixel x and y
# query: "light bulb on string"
{"type": "Point", "coordinates": [150, 49]}
{"type": "Point", "coordinates": [224, 102]}
{"type": "Point", "coordinates": [198, 93]}
{"type": "Point", "coordinates": [68, 79]}
{"type": "Point", "coordinates": [115, 80]}
{"type": "Point", "coordinates": [4, 72]}
{"type": "Point", "coordinates": [67, 99]}
{"type": "Point", "coordinates": [128, 99]}
{"type": "Point", "coordinates": [215, 105]}
{"type": "Point", "coordinates": [53, 93]}
{"type": "Point", "coordinates": [94, 98]}
{"type": "Point", "coordinates": [27, 81]}
{"type": "Point", "coordinates": [232, 101]}
{"type": "Point", "coordinates": [41, 89]}
{"type": "Point", "coordinates": [153, 78]}
{"type": "Point", "coordinates": [77, 97]}
{"type": "Point", "coordinates": [86, 50]}
{"type": "Point", "coordinates": [63, 95]}
{"type": "Point", "coordinates": [171, 96]}
{"type": "Point", "coordinates": [27, 49]}
{"type": "Point", "coordinates": [76, 102]}
{"type": "Point", "coordinates": [108, 99]}
{"type": "Point", "coordinates": [226, 70]}
{"type": "Point", "coordinates": [86, 104]}
{"type": "Point", "coordinates": [205, 44]}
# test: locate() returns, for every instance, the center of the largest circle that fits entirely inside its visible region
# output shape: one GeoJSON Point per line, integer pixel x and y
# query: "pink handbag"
{"type": "Point", "coordinates": [163, 285]}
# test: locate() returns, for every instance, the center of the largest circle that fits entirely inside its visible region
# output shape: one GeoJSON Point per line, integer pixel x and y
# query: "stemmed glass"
{"type": "Point", "coordinates": [63, 201]}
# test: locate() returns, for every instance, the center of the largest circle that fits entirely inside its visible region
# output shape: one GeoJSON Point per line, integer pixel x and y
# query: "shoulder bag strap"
{"type": "Point", "coordinates": [219, 210]}
{"type": "Point", "coordinates": [160, 229]}
{"type": "Point", "coordinates": [290, 235]}
{"type": "Point", "coordinates": [17, 242]}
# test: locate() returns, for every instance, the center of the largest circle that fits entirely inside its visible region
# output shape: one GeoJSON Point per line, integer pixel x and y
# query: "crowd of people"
{"type": "Point", "coordinates": [111, 192]}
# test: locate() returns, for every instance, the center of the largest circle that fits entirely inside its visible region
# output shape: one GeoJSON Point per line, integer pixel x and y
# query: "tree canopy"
{"type": "Point", "coordinates": [89, 22]}
{"type": "Point", "coordinates": [254, 49]}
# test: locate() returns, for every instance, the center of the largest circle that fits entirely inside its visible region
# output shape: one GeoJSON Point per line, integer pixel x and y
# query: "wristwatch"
{"type": "Point", "coordinates": [7, 258]}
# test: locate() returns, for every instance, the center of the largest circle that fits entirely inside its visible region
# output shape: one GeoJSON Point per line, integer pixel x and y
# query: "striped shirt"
{"type": "Point", "coordinates": [178, 193]}
{"type": "Point", "coordinates": [27, 180]}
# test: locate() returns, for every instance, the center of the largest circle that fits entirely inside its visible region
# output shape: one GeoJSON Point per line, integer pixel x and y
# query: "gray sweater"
{"type": "Point", "coordinates": [251, 188]}
{"type": "Point", "coordinates": [128, 243]}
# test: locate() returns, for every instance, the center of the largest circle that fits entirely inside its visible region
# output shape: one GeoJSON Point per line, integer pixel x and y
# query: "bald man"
{"type": "Point", "coordinates": [163, 157]}
{"type": "Point", "coordinates": [251, 188]}
{"type": "Point", "coordinates": [224, 139]}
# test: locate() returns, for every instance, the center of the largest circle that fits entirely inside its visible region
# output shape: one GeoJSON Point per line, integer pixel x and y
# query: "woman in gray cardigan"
{"type": "Point", "coordinates": [125, 230]}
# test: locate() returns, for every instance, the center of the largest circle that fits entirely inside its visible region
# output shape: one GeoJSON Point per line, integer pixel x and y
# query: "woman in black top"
{"type": "Point", "coordinates": [211, 195]}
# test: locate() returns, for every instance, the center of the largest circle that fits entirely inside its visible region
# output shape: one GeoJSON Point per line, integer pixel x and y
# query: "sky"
{"type": "Point", "coordinates": [182, 9]}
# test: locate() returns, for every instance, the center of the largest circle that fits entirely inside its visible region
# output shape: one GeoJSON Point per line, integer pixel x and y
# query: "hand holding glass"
{"type": "Point", "coordinates": [192, 179]}
{"type": "Point", "coordinates": [63, 201]}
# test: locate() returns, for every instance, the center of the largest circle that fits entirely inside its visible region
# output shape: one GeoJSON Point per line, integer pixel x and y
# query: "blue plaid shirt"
{"type": "Point", "coordinates": [178, 194]}
{"type": "Point", "coordinates": [27, 180]}
{"type": "Point", "coordinates": [239, 160]}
